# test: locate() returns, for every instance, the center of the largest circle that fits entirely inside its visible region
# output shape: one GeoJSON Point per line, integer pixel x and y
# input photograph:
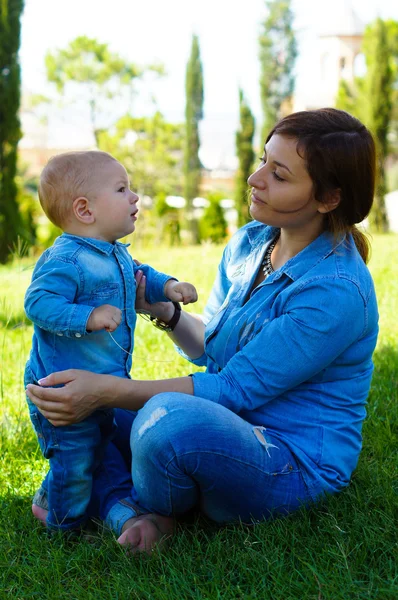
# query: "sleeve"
{"type": "Point", "coordinates": [290, 349]}
{"type": "Point", "coordinates": [220, 288]}
{"type": "Point", "coordinates": [155, 282]}
{"type": "Point", "coordinates": [217, 296]}
{"type": "Point", "coordinates": [50, 300]}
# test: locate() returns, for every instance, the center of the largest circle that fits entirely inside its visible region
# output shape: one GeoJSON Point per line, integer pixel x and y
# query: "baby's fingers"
{"type": "Point", "coordinates": [190, 296]}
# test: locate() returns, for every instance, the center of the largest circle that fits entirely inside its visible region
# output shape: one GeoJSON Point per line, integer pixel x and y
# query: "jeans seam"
{"type": "Point", "coordinates": [271, 473]}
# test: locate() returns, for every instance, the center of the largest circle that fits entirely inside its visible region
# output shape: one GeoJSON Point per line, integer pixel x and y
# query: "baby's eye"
{"type": "Point", "coordinates": [122, 189]}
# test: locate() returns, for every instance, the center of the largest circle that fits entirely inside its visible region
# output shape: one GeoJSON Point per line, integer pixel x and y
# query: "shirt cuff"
{"type": "Point", "coordinates": [201, 361]}
{"type": "Point", "coordinates": [155, 290]}
{"type": "Point", "coordinates": [78, 321]}
{"type": "Point", "coordinates": [207, 386]}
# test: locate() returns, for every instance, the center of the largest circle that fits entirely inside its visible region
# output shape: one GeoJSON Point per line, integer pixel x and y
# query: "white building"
{"type": "Point", "coordinates": [338, 56]}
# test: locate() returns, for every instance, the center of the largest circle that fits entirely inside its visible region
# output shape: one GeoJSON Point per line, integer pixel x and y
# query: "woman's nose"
{"type": "Point", "coordinates": [256, 179]}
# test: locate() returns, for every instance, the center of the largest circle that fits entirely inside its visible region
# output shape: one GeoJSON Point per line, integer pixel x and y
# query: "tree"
{"type": "Point", "coordinates": [378, 90]}
{"type": "Point", "coordinates": [151, 149]}
{"type": "Point", "coordinates": [100, 73]}
{"type": "Point", "coordinates": [245, 153]}
{"type": "Point", "coordinates": [213, 226]}
{"type": "Point", "coordinates": [278, 51]}
{"type": "Point", "coordinates": [10, 132]}
{"type": "Point", "coordinates": [370, 98]}
{"type": "Point", "coordinates": [193, 115]}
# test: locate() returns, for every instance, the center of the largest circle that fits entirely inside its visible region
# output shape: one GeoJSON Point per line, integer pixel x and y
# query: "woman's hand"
{"type": "Point", "coordinates": [162, 310]}
{"type": "Point", "coordinates": [83, 392]}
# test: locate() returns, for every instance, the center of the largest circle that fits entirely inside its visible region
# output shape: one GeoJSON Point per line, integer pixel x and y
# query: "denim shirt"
{"type": "Point", "coordinates": [70, 279]}
{"type": "Point", "coordinates": [295, 354]}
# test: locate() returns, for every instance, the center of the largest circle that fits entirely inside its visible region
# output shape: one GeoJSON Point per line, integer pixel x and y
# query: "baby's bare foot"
{"type": "Point", "coordinates": [146, 532]}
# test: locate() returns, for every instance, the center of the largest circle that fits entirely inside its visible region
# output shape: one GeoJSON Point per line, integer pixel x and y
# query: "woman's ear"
{"type": "Point", "coordinates": [82, 211]}
{"type": "Point", "coordinates": [332, 200]}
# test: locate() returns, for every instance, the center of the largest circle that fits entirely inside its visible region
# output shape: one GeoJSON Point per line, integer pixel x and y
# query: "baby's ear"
{"type": "Point", "coordinates": [82, 211]}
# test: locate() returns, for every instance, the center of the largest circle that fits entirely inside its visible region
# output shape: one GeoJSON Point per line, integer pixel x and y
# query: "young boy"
{"type": "Point", "coordinates": [81, 302]}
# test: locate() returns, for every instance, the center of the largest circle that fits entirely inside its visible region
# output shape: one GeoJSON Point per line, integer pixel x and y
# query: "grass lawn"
{"type": "Point", "coordinates": [343, 549]}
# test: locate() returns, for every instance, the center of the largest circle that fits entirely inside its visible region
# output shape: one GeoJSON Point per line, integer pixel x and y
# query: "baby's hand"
{"type": "Point", "coordinates": [180, 291]}
{"type": "Point", "coordinates": [106, 317]}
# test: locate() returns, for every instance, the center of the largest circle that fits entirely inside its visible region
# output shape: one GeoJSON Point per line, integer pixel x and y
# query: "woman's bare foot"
{"type": "Point", "coordinates": [39, 513]}
{"type": "Point", "coordinates": [146, 532]}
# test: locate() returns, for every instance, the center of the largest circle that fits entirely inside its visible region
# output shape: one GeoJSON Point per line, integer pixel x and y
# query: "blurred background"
{"type": "Point", "coordinates": [183, 93]}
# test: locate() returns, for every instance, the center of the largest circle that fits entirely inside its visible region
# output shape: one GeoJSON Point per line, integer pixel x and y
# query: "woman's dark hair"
{"type": "Point", "coordinates": [340, 154]}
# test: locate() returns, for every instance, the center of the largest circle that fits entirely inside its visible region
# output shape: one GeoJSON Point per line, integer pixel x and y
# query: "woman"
{"type": "Point", "coordinates": [287, 338]}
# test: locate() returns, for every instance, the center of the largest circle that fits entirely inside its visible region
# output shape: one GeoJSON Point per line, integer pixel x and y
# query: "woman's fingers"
{"type": "Point", "coordinates": [72, 402]}
{"type": "Point", "coordinates": [140, 302]}
{"type": "Point", "coordinates": [59, 378]}
{"type": "Point", "coordinates": [50, 407]}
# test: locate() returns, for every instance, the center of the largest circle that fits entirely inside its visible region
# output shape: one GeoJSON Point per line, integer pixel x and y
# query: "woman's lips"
{"type": "Point", "coordinates": [257, 200]}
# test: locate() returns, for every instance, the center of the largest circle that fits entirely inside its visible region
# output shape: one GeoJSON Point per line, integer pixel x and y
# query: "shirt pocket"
{"type": "Point", "coordinates": [105, 292]}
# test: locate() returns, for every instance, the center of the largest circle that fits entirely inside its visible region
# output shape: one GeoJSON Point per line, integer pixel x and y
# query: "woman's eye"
{"type": "Point", "coordinates": [122, 189]}
{"type": "Point", "coordinates": [276, 176]}
{"type": "Point", "coordinates": [262, 158]}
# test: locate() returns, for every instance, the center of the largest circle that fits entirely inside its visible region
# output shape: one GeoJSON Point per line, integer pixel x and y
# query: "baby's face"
{"type": "Point", "coordinates": [113, 203]}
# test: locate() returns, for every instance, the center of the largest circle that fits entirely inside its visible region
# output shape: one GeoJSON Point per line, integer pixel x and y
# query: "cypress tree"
{"type": "Point", "coordinates": [370, 99]}
{"type": "Point", "coordinates": [278, 51]}
{"type": "Point", "coordinates": [193, 114]}
{"type": "Point", "coordinates": [378, 90]}
{"type": "Point", "coordinates": [245, 154]}
{"type": "Point", "coordinates": [10, 132]}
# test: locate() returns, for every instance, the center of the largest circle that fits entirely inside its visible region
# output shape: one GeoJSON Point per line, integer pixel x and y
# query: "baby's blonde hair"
{"type": "Point", "coordinates": [66, 177]}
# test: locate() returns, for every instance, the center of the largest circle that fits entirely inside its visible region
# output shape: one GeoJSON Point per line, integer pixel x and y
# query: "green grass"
{"type": "Point", "coordinates": [342, 549]}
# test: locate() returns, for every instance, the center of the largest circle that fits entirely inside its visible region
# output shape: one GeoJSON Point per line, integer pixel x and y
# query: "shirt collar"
{"type": "Point", "coordinates": [259, 234]}
{"type": "Point", "coordinates": [100, 245]}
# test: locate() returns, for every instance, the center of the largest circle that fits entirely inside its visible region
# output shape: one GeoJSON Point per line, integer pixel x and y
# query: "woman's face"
{"type": "Point", "coordinates": [282, 190]}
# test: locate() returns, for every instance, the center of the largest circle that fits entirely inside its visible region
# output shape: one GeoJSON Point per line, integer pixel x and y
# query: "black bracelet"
{"type": "Point", "coordinates": [170, 326]}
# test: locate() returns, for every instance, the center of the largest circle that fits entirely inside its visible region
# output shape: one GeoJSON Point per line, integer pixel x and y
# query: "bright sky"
{"type": "Point", "coordinates": [146, 30]}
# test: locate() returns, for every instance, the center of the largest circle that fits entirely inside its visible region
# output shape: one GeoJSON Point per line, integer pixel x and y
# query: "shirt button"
{"type": "Point", "coordinates": [60, 334]}
{"type": "Point", "coordinates": [122, 266]}
{"type": "Point", "coordinates": [78, 335]}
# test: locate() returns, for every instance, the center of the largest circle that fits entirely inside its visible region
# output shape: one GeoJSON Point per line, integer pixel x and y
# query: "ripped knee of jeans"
{"type": "Point", "coordinates": [152, 420]}
{"type": "Point", "coordinates": [259, 433]}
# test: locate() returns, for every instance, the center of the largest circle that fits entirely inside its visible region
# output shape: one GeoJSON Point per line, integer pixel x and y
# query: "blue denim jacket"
{"type": "Point", "coordinates": [70, 279]}
{"type": "Point", "coordinates": [295, 354]}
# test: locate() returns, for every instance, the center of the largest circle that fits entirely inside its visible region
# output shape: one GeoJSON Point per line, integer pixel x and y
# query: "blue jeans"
{"type": "Point", "coordinates": [73, 453]}
{"type": "Point", "coordinates": [187, 452]}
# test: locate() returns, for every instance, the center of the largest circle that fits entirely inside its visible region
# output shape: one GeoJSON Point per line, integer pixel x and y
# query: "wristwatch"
{"type": "Point", "coordinates": [170, 326]}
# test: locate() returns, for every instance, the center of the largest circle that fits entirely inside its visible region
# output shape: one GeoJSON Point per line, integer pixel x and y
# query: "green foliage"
{"type": "Point", "coordinates": [28, 204]}
{"type": "Point", "coordinates": [169, 221]}
{"type": "Point", "coordinates": [10, 133]}
{"type": "Point", "coordinates": [151, 149]}
{"type": "Point", "coordinates": [193, 115]}
{"type": "Point", "coordinates": [373, 99]}
{"type": "Point", "coordinates": [378, 90]}
{"type": "Point", "coordinates": [245, 154]}
{"type": "Point", "coordinates": [278, 52]}
{"type": "Point", "coordinates": [213, 226]}
{"type": "Point", "coordinates": [92, 66]}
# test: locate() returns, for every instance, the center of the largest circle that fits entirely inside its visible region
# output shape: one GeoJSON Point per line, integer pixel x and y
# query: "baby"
{"type": "Point", "coordinates": [81, 302]}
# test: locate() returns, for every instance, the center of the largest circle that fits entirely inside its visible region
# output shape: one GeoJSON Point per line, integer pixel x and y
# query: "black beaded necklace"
{"type": "Point", "coordinates": [266, 264]}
